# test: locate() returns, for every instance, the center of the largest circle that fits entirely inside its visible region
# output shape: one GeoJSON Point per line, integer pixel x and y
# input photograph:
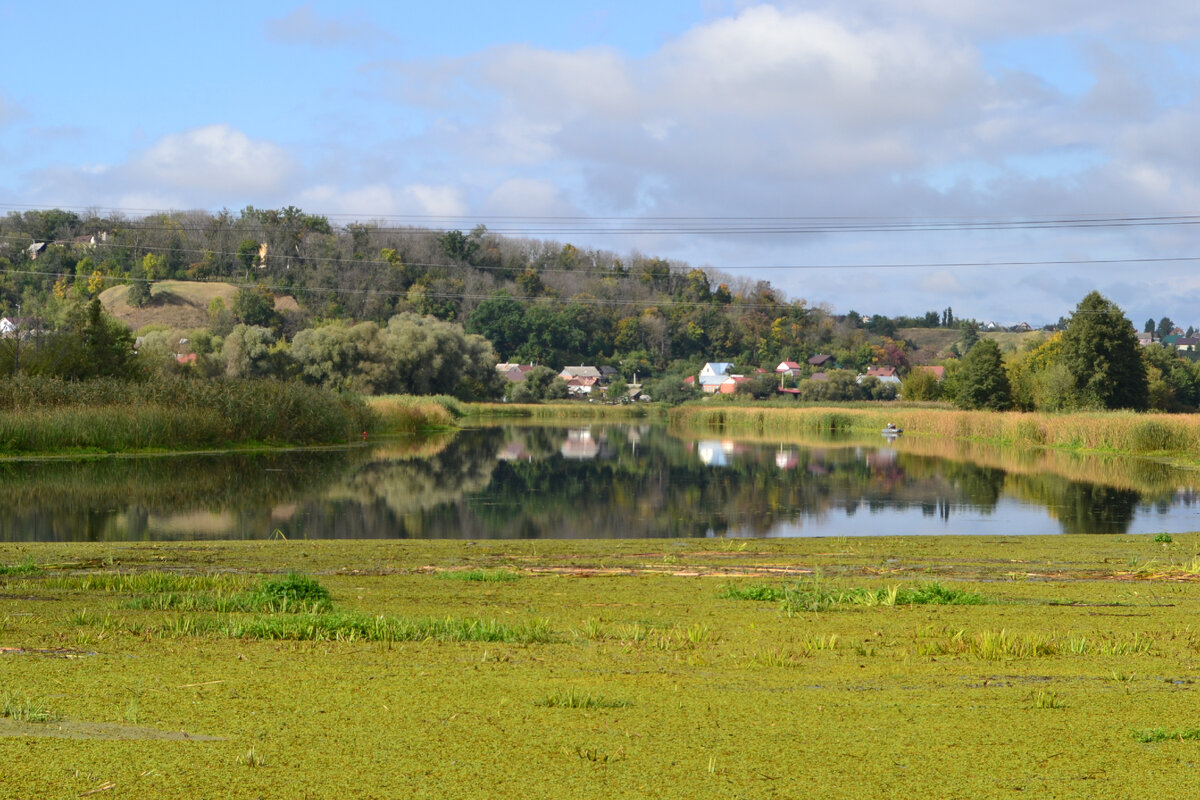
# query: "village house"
{"type": "Point", "coordinates": [884, 374]}
{"type": "Point", "coordinates": [713, 374]}
{"type": "Point", "coordinates": [513, 373]}
{"type": "Point", "coordinates": [1186, 344]}
{"type": "Point", "coordinates": [731, 384]}
{"type": "Point", "coordinates": [580, 380]}
{"type": "Point", "coordinates": [789, 369]}
{"type": "Point", "coordinates": [821, 361]}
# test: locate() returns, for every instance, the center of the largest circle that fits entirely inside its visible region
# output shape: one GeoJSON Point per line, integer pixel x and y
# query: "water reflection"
{"type": "Point", "coordinates": [593, 482]}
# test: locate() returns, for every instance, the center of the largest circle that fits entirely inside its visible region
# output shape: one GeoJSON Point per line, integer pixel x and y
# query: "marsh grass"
{"type": "Point", "coordinates": [573, 698]}
{"type": "Point", "coordinates": [1005, 645]}
{"type": "Point", "coordinates": [26, 567]}
{"type": "Point", "coordinates": [151, 582]}
{"type": "Point", "coordinates": [411, 414]}
{"type": "Point", "coordinates": [251, 759]}
{"type": "Point", "coordinates": [757, 592]}
{"type": "Point", "coordinates": [24, 709]}
{"type": "Point", "coordinates": [479, 575]}
{"type": "Point", "coordinates": [1113, 431]}
{"type": "Point", "coordinates": [814, 595]}
{"type": "Point", "coordinates": [349, 627]}
{"type": "Point", "coordinates": [1044, 699]}
{"type": "Point", "coordinates": [1150, 735]}
{"type": "Point", "coordinates": [48, 414]}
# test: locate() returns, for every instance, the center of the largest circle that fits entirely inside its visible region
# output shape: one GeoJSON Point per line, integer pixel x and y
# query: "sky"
{"type": "Point", "coordinates": [1001, 159]}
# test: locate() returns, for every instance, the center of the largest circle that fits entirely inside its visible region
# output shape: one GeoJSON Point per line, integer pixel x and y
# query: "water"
{"type": "Point", "coordinates": [617, 481]}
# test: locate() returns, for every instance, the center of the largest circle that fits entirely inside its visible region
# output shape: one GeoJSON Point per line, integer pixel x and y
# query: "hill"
{"type": "Point", "coordinates": [933, 344]}
{"type": "Point", "coordinates": [179, 304]}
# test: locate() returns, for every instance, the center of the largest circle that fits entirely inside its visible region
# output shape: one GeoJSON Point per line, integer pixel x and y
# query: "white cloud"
{"type": "Point", "coordinates": [211, 160]}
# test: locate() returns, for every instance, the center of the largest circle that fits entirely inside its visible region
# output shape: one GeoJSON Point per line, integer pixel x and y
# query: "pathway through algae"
{"type": "Point", "coordinates": [604, 669]}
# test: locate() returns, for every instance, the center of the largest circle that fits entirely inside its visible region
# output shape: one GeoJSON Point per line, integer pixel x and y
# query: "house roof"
{"type": "Point", "coordinates": [820, 359]}
{"type": "Point", "coordinates": [784, 366]}
{"type": "Point", "coordinates": [882, 372]}
{"type": "Point", "coordinates": [580, 372]}
{"type": "Point", "coordinates": [818, 376]}
{"type": "Point", "coordinates": [716, 368]}
{"type": "Point", "coordinates": [938, 372]}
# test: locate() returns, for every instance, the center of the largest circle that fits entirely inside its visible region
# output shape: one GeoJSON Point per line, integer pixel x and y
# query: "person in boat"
{"type": "Point", "coordinates": [891, 426]}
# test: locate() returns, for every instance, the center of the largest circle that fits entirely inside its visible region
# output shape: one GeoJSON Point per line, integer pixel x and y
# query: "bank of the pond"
{"type": "Point", "coordinates": [914, 667]}
{"type": "Point", "coordinates": [51, 416]}
{"type": "Point", "coordinates": [1168, 435]}
{"type": "Point", "coordinates": [569, 410]}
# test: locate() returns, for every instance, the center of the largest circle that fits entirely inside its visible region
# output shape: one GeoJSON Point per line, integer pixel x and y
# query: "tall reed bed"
{"type": "Point", "coordinates": [412, 414]}
{"type": "Point", "coordinates": [1111, 431]}
{"type": "Point", "coordinates": [50, 414]}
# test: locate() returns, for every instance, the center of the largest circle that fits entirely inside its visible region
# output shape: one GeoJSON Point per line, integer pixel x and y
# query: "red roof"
{"type": "Point", "coordinates": [938, 372]}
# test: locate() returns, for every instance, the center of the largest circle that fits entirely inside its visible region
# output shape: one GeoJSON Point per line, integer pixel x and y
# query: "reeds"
{"type": "Point", "coordinates": [50, 415]}
{"type": "Point", "coordinates": [414, 414]}
{"type": "Point", "coordinates": [1111, 431]}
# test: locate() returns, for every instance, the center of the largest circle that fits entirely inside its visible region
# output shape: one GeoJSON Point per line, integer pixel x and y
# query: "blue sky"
{"type": "Point", "coordinates": [610, 113]}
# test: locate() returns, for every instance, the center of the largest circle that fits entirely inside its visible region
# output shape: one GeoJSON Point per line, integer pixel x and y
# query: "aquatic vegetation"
{"type": "Point", "coordinates": [26, 567]}
{"type": "Point", "coordinates": [614, 677]}
{"type": "Point", "coordinates": [480, 575]}
{"type": "Point", "coordinates": [1150, 735]}
{"type": "Point", "coordinates": [24, 709]}
{"type": "Point", "coordinates": [816, 595]}
{"type": "Point", "coordinates": [573, 698]}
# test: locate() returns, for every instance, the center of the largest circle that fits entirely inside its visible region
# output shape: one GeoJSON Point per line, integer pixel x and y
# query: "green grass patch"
{"type": "Point", "coordinates": [348, 627]}
{"type": "Point", "coordinates": [479, 575]}
{"type": "Point", "coordinates": [24, 709]}
{"type": "Point", "coordinates": [1150, 735]}
{"type": "Point", "coordinates": [573, 698]}
{"type": "Point", "coordinates": [816, 595]}
{"type": "Point", "coordinates": [26, 567]}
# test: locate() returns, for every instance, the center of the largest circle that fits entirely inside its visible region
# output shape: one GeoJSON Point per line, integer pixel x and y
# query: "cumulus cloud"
{"type": "Point", "coordinates": [211, 165]}
{"type": "Point", "coordinates": [210, 160]}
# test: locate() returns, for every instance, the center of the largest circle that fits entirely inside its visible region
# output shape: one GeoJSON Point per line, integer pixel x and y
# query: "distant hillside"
{"type": "Point", "coordinates": [933, 344]}
{"type": "Point", "coordinates": [179, 304]}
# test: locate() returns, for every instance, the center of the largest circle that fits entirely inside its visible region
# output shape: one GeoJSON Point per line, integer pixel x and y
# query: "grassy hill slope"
{"type": "Point", "coordinates": [179, 304]}
{"type": "Point", "coordinates": [933, 344]}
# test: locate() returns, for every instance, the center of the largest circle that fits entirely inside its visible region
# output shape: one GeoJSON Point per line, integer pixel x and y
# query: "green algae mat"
{"type": "Point", "coordinates": [834, 668]}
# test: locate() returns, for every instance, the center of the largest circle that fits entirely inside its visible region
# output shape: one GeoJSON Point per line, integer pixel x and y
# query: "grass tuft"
{"type": "Point", "coordinates": [26, 567]}
{"type": "Point", "coordinates": [572, 698]}
{"type": "Point", "coordinates": [480, 575]}
{"type": "Point", "coordinates": [24, 709]}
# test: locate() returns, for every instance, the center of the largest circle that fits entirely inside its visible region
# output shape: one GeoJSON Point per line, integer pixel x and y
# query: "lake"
{"type": "Point", "coordinates": [594, 481]}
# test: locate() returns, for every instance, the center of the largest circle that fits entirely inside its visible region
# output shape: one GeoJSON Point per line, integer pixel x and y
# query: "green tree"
{"type": "Point", "coordinates": [501, 320]}
{"type": "Point", "coordinates": [1101, 351]}
{"type": "Point", "coordinates": [1165, 326]}
{"type": "Point", "coordinates": [920, 384]}
{"type": "Point", "coordinates": [248, 352]}
{"type": "Point", "coordinates": [256, 307]}
{"type": "Point", "coordinates": [982, 381]}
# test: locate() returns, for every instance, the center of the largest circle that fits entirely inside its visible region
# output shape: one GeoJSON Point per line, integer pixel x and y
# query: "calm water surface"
{"type": "Point", "coordinates": [593, 482]}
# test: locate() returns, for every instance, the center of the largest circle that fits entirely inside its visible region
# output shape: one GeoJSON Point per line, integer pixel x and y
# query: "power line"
{"type": "Point", "coordinates": [629, 273]}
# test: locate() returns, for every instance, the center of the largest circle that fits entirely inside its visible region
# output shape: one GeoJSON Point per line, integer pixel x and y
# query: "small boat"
{"type": "Point", "coordinates": [891, 432]}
